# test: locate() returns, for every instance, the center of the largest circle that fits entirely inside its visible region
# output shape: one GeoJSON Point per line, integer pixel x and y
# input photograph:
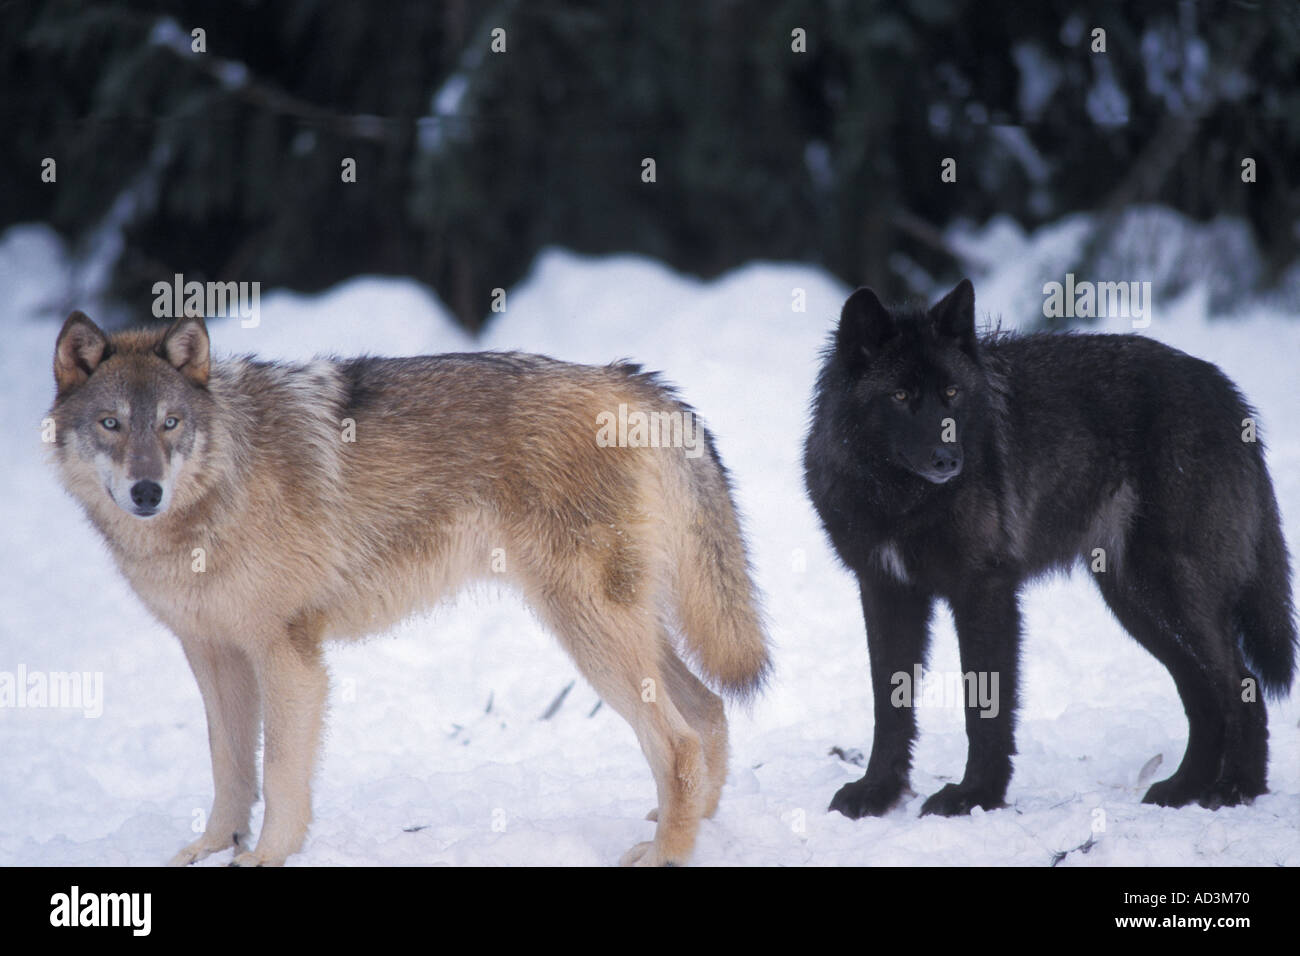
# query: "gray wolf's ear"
{"type": "Point", "coordinates": [954, 315]}
{"type": "Point", "coordinates": [865, 325]}
{"type": "Point", "coordinates": [81, 346]}
{"type": "Point", "coordinates": [185, 347]}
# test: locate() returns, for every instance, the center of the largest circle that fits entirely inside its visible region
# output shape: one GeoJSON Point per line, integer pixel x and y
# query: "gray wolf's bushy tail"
{"type": "Point", "coordinates": [717, 602]}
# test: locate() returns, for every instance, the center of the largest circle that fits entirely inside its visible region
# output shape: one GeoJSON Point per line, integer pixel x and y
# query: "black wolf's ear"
{"type": "Point", "coordinates": [865, 325]}
{"type": "Point", "coordinates": [185, 346]}
{"type": "Point", "coordinates": [81, 346]}
{"type": "Point", "coordinates": [954, 315]}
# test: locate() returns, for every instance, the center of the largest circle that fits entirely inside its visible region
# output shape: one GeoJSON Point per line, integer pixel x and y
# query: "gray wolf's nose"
{"type": "Point", "coordinates": [146, 494]}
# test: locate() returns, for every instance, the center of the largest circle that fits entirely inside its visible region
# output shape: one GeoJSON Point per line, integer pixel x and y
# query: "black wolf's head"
{"type": "Point", "coordinates": [911, 380]}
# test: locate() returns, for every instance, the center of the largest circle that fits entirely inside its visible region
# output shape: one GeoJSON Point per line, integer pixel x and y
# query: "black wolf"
{"type": "Point", "coordinates": [943, 464]}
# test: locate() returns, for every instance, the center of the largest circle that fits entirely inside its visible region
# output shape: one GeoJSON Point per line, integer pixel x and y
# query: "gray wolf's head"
{"type": "Point", "coordinates": [130, 412]}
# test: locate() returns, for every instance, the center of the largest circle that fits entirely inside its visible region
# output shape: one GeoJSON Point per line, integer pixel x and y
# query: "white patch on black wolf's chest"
{"type": "Point", "coordinates": [891, 560]}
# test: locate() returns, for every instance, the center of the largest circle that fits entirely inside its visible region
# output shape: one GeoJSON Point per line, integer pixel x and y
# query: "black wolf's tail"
{"type": "Point", "coordinates": [1265, 614]}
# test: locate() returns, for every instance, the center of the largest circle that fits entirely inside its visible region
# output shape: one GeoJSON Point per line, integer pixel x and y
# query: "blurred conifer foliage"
{"type": "Point", "coordinates": [228, 162]}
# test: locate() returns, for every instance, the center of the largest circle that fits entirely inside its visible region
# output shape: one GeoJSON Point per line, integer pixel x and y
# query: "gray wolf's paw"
{"type": "Point", "coordinates": [257, 857]}
{"type": "Point", "coordinates": [646, 854]}
{"type": "Point", "coordinates": [205, 846]}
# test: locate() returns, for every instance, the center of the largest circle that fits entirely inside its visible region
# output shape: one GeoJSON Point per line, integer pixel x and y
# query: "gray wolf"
{"type": "Point", "coordinates": [948, 465]}
{"type": "Point", "coordinates": [260, 508]}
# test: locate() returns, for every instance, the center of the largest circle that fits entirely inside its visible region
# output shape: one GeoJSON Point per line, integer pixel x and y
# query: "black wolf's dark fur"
{"type": "Point", "coordinates": [1058, 445]}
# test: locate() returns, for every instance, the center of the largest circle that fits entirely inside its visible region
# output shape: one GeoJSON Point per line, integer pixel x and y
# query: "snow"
{"type": "Point", "coordinates": [417, 769]}
{"type": "Point", "coordinates": [1175, 254]}
{"type": "Point", "coordinates": [1040, 76]}
{"type": "Point", "coordinates": [1106, 103]}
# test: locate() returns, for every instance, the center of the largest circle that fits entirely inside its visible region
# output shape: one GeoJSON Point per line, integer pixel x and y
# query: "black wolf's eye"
{"type": "Point", "coordinates": [950, 391]}
{"type": "Point", "coordinates": [900, 395]}
{"type": "Point", "coordinates": [110, 423]}
{"type": "Point", "coordinates": [171, 422]}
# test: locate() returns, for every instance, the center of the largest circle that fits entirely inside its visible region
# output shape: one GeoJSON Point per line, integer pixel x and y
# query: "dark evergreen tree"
{"type": "Point", "coordinates": [227, 163]}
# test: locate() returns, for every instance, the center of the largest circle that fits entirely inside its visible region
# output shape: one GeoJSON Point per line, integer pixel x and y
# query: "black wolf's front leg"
{"type": "Point", "coordinates": [898, 621]}
{"type": "Point", "coordinates": [988, 634]}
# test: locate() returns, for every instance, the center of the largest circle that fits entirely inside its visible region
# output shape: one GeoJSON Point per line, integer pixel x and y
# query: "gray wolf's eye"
{"type": "Point", "coordinates": [900, 395]}
{"type": "Point", "coordinates": [950, 391]}
{"type": "Point", "coordinates": [171, 422]}
{"type": "Point", "coordinates": [110, 423]}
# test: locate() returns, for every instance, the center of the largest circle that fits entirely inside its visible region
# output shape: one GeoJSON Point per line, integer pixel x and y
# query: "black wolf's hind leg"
{"type": "Point", "coordinates": [1243, 769]}
{"type": "Point", "coordinates": [1202, 671]}
{"type": "Point", "coordinates": [898, 621]}
{"type": "Point", "coordinates": [988, 634]}
{"type": "Point", "coordinates": [1244, 773]}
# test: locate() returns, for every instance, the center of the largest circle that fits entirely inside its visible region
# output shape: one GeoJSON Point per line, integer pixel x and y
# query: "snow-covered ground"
{"type": "Point", "coordinates": [435, 750]}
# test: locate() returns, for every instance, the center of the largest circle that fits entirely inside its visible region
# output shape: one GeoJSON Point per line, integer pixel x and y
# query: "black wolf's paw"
{"type": "Point", "coordinates": [1169, 793]}
{"type": "Point", "coordinates": [1227, 793]}
{"type": "Point", "coordinates": [956, 799]}
{"type": "Point", "coordinates": [866, 798]}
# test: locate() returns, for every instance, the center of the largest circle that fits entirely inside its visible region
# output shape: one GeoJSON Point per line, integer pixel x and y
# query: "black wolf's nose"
{"type": "Point", "coordinates": [945, 461]}
{"type": "Point", "coordinates": [146, 494]}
